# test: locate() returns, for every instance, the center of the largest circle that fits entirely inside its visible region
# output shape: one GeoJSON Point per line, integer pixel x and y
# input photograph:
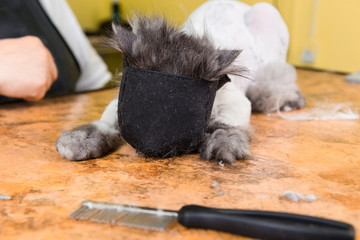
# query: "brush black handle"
{"type": "Point", "coordinates": [264, 225]}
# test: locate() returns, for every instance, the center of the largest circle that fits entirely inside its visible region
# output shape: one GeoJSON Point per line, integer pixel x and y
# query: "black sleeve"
{"type": "Point", "coordinates": [27, 17]}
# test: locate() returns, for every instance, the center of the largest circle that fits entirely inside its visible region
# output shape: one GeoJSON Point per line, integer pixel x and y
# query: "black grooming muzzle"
{"type": "Point", "coordinates": [164, 115]}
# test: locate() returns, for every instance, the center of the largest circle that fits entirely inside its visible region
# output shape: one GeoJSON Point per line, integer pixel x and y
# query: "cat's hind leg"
{"type": "Point", "coordinates": [228, 134]}
{"type": "Point", "coordinates": [92, 140]}
{"type": "Point", "coordinates": [275, 88]}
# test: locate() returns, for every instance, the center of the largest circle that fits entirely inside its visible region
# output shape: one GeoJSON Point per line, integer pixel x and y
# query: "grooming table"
{"type": "Point", "coordinates": [308, 157]}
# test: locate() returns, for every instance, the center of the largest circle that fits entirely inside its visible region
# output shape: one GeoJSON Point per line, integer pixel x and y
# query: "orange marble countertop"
{"type": "Point", "coordinates": [309, 157]}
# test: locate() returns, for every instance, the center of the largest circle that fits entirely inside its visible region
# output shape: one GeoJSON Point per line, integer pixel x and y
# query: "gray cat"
{"type": "Point", "coordinates": [155, 45]}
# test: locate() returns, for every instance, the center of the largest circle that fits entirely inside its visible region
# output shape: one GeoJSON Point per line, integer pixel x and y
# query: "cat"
{"type": "Point", "coordinates": [198, 49]}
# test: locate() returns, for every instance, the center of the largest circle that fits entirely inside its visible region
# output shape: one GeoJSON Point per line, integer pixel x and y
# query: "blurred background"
{"type": "Point", "coordinates": [324, 34]}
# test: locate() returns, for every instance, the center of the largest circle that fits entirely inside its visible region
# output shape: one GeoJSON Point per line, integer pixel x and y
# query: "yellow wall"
{"type": "Point", "coordinates": [91, 13]}
{"type": "Point", "coordinates": [334, 40]}
{"type": "Point", "coordinates": [176, 10]}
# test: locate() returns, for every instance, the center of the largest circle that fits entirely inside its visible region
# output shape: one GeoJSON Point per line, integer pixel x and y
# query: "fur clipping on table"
{"type": "Point", "coordinates": [154, 44]}
{"type": "Point", "coordinates": [296, 197]}
{"type": "Point", "coordinates": [324, 111]}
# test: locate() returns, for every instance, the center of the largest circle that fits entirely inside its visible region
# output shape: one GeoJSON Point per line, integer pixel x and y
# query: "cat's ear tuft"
{"type": "Point", "coordinates": [122, 39]}
{"type": "Point", "coordinates": [226, 57]}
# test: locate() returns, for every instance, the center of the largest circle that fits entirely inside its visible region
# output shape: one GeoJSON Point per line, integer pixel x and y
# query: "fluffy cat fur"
{"type": "Point", "coordinates": [154, 44]}
{"type": "Point", "coordinates": [268, 96]}
{"type": "Point", "coordinates": [158, 46]}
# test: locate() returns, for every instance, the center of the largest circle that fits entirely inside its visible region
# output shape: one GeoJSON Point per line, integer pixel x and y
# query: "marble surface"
{"type": "Point", "coordinates": [309, 157]}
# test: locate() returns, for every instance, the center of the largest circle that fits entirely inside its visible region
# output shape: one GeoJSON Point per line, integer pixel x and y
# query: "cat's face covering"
{"type": "Point", "coordinates": [168, 86]}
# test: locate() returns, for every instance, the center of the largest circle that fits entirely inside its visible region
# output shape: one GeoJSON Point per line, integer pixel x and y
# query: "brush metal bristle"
{"type": "Point", "coordinates": [146, 221]}
{"type": "Point", "coordinates": [86, 214]}
{"type": "Point", "coordinates": [109, 216]}
{"type": "Point", "coordinates": [77, 212]}
{"type": "Point", "coordinates": [110, 213]}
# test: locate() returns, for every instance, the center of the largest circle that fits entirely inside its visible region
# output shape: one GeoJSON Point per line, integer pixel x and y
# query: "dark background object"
{"type": "Point", "coordinates": [26, 17]}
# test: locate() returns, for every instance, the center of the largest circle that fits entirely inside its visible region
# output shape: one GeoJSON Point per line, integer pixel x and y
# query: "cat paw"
{"type": "Point", "coordinates": [226, 144]}
{"type": "Point", "coordinates": [92, 140]}
{"type": "Point", "coordinates": [296, 102]}
{"type": "Point", "coordinates": [275, 89]}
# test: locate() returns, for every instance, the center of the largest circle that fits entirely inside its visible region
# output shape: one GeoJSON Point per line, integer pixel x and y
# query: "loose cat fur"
{"type": "Point", "coordinates": [154, 44]}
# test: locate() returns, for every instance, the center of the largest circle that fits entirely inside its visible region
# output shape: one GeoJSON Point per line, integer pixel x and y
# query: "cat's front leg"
{"type": "Point", "coordinates": [228, 134]}
{"type": "Point", "coordinates": [92, 140]}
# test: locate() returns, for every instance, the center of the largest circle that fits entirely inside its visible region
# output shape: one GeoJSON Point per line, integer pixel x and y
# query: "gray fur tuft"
{"type": "Point", "coordinates": [88, 141]}
{"type": "Point", "coordinates": [275, 89]}
{"type": "Point", "coordinates": [156, 45]}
